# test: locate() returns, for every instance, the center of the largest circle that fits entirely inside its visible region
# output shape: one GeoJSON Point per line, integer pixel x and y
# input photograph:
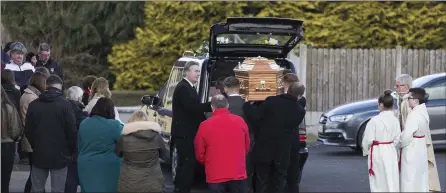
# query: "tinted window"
{"type": "Point", "coordinates": [437, 90]}
{"type": "Point", "coordinates": [176, 75]}
{"type": "Point", "coordinates": [162, 92]}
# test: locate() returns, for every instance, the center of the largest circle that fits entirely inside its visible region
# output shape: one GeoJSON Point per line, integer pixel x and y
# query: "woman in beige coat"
{"type": "Point", "coordinates": [141, 149]}
{"type": "Point", "coordinates": [37, 84]}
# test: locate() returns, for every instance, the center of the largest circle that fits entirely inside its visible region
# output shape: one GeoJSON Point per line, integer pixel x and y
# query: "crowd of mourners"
{"type": "Point", "coordinates": [245, 146]}
{"type": "Point", "coordinates": [77, 137]}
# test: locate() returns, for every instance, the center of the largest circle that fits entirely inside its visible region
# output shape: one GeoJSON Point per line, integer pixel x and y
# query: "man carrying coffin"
{"type": "Point", "coordinates": [414, 162]}
{"type": "Point", "coordinates": [403, 83]}
{"type": "Point", "coordinates": [187, 114]}
{"type": "Point", "coordinates": [278, 118]}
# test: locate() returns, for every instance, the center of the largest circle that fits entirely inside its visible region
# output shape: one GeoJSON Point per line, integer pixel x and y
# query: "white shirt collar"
{"type": "Point", "coordinates": [234, 95]}
{"type": "Point", "coordinates": [192, 85]}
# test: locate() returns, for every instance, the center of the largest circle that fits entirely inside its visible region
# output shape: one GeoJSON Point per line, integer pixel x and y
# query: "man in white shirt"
{"type": "Point", "coordinates": [414, 158]}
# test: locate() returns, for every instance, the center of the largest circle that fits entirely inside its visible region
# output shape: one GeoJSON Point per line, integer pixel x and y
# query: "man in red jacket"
{"type": "Point", "coordinates": [221, 145]}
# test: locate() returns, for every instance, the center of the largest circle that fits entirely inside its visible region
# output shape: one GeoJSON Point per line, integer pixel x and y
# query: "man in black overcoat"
{"type": "Point", "coordinates": [188, 113]}
{"type": "Point", "coordinates": [277, 118]}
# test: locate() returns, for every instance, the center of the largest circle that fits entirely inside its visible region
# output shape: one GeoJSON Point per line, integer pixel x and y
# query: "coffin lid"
{"type": "Point", "coordinates": [258, 64]}
{"type": "Point", "coordinates": [255, 36]}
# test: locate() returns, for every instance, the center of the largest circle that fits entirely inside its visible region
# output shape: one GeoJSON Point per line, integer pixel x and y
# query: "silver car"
{"type": "Point", "coordinates": [344, 125]}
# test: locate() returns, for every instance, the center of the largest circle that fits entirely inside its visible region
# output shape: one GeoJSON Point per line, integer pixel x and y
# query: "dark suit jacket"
{"type": "Point", "coordinates": [277, 119]}
{"type": "Point", "coordinates": [236, 105]}
{"type": "Point", "coordinates": [187, 111]}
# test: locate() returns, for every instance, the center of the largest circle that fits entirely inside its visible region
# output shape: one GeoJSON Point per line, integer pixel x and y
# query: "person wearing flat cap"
{"type": "Point", "coordinates": [22, 72]}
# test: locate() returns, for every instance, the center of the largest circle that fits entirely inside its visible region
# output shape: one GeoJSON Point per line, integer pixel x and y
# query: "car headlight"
{"type": "Point", "coordinates": [341, 118]}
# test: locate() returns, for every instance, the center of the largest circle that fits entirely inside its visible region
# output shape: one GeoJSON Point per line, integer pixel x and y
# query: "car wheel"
{"type": "Point", "coordinates": [174, 162]}
{"type": "Point", "coordinates": [360, 137]}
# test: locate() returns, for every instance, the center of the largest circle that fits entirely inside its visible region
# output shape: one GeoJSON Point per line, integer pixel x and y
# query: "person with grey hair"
{"type": "Point", "coordinates": [403, 84]}
{"type": "Point", "coordinates": [187, 114]}
{"type": "Point", "coordinates": [224, 160]}
{"type": "Point", "coordinates": [74, 96]}
{"type": "Point", "coordinates": [277, 121]}
{"type": "Point", "coordinates": [50, 127]}
{"type": "Point", "coordinates": [44, 60]}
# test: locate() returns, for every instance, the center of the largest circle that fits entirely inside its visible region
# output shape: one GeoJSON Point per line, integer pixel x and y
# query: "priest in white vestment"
{"type": "Point", "coordinates": [403, 83]}
{"type": "Point", "coordinates": [414, 159]}
{"type": "Point", "coordinates": [381, 137]}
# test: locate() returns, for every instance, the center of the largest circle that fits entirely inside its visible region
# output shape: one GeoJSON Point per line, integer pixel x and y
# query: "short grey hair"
{"type": "Point", "coordinates": [405, 79]}
{"type": "Point", "coordinates": [75, 93]}
{"type": "Point", "coordinates": [188, 65]}
{"type": "Point", "coordinates": [219, 101]}
{"type": "Point", "coordinates": [44, 47]}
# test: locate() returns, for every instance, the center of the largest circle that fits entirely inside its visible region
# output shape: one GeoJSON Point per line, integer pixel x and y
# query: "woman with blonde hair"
{"type": "Point", "coordinates": [141, 147]}
{"type": "Point", "coordinates": [99, 89]}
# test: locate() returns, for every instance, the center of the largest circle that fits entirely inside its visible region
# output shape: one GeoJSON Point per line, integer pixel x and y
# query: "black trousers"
{"type": "Point", "coordinates": [293, 172]}
{"type": "Point", "coordinates": [186, 165]}
{"type": "Point", "coordinates": [250, 166]}
{"type": "Point", "coordinates": [8, 153]}
{"type": "Point", "coordinates": [235, 186]}
{"type": "Point", "coordinates": [28, 182]}
{"type": "Point", "coordinates": [72, 178]}
{"type": "Point", "coordinates": [22, 154]}
{"type": "Point", "coordinates": [271, 177]}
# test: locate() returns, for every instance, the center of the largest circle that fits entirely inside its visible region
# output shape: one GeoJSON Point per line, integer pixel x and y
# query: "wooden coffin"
{"type": "Point", "coordinates": [259, 78]}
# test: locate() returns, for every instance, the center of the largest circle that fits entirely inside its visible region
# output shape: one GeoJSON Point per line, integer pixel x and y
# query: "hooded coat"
{"type": "Point", "coordinates": [141, 148]}
{"type": "Point", "coordinates": [50, 127]}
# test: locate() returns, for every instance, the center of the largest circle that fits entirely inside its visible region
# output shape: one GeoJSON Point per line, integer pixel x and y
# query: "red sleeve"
{"type": "Point", "coordinates": [200, 145]}
{"type": "Point", "coordinates": [247, 140]}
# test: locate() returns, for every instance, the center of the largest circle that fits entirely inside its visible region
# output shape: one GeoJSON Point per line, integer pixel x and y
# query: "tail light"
{"type": "Point", "coordinates": [303, 134]}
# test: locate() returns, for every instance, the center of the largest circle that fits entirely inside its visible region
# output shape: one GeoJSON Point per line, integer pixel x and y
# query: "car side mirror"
{"type": "Point", "coordinates": [149, 100]}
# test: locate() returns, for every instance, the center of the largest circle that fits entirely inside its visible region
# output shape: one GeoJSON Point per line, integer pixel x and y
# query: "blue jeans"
{"type": "Point", "coordinates": [235, 186]}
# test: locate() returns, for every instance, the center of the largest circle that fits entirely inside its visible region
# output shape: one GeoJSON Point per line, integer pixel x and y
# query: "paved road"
{"type": "Point", "coordinates": [328, 169]}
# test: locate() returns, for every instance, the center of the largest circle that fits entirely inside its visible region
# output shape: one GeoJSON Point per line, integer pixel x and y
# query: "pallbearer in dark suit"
{"type": "Point", "coordinates": [188, 113]}
{"type": "Point", "coordinates": [278, 117]}
{"type": "Point", "coordinates": [232, 89]}
{"type": "Point", "coordinates": [294, 167]}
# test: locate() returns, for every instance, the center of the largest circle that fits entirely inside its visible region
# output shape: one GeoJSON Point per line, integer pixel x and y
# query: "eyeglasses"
{"type": "Point", "coordinates": [399, 85]}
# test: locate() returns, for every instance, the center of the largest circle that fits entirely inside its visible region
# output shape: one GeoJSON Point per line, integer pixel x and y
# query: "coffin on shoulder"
{"type": "Point", "coordinates": [259, 78]}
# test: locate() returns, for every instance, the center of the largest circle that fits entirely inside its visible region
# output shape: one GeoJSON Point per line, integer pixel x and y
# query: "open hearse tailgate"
{"type": "Point", "coordinates": [255, 36]}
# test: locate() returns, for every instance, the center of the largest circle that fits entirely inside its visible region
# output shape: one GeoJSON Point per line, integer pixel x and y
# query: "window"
{"type": "Point", "coordinates": [161, 93]}
{"type": "Point", "coordinates": [176, 75]}
{"type": "Point", "coordinates": [437, 90]}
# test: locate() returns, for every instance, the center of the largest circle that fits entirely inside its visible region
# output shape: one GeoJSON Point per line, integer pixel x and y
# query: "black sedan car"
{"type": "Point", "coordinates": [344, 125]}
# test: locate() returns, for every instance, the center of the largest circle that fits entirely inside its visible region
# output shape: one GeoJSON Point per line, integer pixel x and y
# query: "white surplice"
{"type": "Point", "coordinates": [414, 158]}
{"type": "Point", "coordinates": [383, 161]}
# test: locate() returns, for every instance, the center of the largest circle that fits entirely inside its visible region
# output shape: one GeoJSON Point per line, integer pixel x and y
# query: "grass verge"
{"type": "Point", "coordinates": [123, 98]}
